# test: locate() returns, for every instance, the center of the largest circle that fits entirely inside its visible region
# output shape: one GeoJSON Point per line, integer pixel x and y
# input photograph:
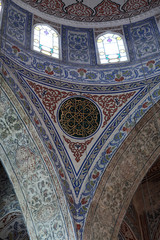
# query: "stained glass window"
{"type": "Point", "coordinates": [46, 40]}
{"type": "Point", "coordinates": [111, 48]}
{"type": "Point", "coordinates": [0, 5]}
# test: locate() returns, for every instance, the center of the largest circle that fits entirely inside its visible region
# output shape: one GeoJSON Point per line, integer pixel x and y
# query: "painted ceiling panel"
{"type": "Point", "coordinates": [93, 11]}
{"type": "Point", "coordinates": [64, 160]}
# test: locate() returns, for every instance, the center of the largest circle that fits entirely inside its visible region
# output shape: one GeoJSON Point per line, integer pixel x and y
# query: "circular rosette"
{"type": "Point", "coordinates": [79, 117]}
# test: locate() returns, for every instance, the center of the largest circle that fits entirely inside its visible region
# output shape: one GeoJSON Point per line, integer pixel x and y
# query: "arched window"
{"type": "Point", "coordinates": [111, 48]}
{"type": "Point", "coordinates": [0, 5]}
{"type": "Point", "coordinates": [46, 40]}
{"type": "Point", "coordinates": [1, 12]}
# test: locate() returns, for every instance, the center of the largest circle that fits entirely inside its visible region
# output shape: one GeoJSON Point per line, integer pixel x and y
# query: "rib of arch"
{"type": "Point", "coordinates": [128, 167]}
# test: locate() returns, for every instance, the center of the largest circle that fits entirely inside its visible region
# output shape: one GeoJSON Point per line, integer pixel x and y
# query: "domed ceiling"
{"type": "Point", "coordinates": [94, 10]}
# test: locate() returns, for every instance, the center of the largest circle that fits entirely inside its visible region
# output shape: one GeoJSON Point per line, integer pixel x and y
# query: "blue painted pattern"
{"type": "Point", "coordinates": [78, 48]}
{"type": "Point", "coordinates": [125, 73]}
{"type": "Point", "coordinates": [17, 24]}
{"type": "Point", "coordinates": [80, 207]}
{"type": "Point", "coordinates": [143, 38]}
{"type": "Point", "coordinates": [78, 45]}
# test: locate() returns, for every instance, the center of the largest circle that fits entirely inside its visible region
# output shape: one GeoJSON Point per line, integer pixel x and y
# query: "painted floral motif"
{"type": "Point", "coordinates": [144, 40]}
{"type": "Point", "coordinates": [11, 125]}
{"type": "Point", "coordinates": [134, 5]}
{"type": "Point", "coordinates": [150, 64]}
{"type": "Point", "coordinates": [78, 48]}
{"type": "Point", "coordinates": [77, 148]}
{"type": "Point", "coordinates": [83, 11]}
{"type": "Point", "coordinates": [110, 103]}
{"type": "Point", "coordinates": [79, 9]}
{"type": "Point", "coordinates": [18, 24]}
{"type": "Point", "coordinates": [34, 181]}
{"type": "Point", "coordinates": [46, 213]}
{"type": "Point", "coordinates": [82, 71]}
{"type": "Point", "coordinates": [26, 160]}
{"type": "Point", "coordinates": [78, 209]}
{"type": "Point", "coordinates": [107, 8]}
{"type": "Point", "coordinates": [49, 97]}
{"type": "Point", "coordinates": [15, 49]}
{"type": "Point", "coordinates": [56, 5]}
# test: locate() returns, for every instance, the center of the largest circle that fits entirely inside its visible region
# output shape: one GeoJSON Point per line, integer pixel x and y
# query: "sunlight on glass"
{"type": "Point", "coordinates": [46, 40]}
{"type": "Point", "coordinates": [111, 48]}
{"type": "Point", "coordinates": [0, 5]}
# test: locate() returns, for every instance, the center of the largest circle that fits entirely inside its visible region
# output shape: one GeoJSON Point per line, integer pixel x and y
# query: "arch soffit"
{"type": "Point", "coordinates": [15, 172]}
{"type": "Point", "coordinates": [128, 167]}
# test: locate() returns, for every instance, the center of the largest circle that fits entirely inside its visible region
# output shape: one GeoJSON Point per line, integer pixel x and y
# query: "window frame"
{"type": "Point", "coordinates": [124, 42]}
{"type": "Point", "coordinates": [1, 15]}
{"type": "Point", "coordinates": [59, 41]}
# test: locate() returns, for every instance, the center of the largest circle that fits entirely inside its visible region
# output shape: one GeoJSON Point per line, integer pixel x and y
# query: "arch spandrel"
{"type": "Point", "coordinates": [122, 177]}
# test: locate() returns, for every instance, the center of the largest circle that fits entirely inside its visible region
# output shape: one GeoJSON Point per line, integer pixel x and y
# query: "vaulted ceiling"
{"type": "Point", "coordinates": [77, 137]}
{"type": "Point", "coordinates": [93, 11]}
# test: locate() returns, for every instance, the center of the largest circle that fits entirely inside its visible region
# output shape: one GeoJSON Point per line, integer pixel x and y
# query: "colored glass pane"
{"type": "Point", "coordinates": [111, 48]}
{"type": "Point", "coordinates": [46, 40]}
{"type": "Point", "coordinates": [0, 5]}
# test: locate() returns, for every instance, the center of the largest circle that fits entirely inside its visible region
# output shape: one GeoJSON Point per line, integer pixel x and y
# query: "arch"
{"type": "Point", "coordinates": [11, 219]}
{"type": "Point", "coordinates": [122, 177]}
{"type": "Point", "coordinates": [111, 48]}
{"type": "Point", "coordinates": [46, 40]}
{"type": "Point", "coordinates": [32, 175]}
{"type": "Point", "coordinates": [126, 233]}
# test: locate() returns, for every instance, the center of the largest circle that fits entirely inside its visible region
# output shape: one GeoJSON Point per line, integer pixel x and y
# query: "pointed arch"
{"type": "Point", "coordinates": [122, 177]}
{"type": "Point", "coordinates": [33, 176]}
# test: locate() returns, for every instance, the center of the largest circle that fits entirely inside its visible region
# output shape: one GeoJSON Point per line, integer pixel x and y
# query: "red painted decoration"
{"type": "Point", "coordinates": [77, 148]}
{"type": "Point", "coordinates": [49, 97]}
{"type": "Point", "coordinates": [79, 9]}
{"type": "Point", "coordinates": [107, 8]}
{"type": "Point", "coordinates": [134, 5]}
{"type": "Point", "coordinates": [110, 103]}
